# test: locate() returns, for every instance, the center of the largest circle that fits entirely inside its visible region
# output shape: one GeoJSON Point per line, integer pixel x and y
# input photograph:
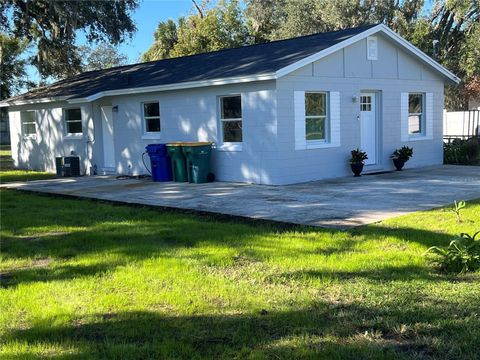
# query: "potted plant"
{"type": "Point", "coordinates": [357, 161]}
{"type": "Point", "coordinates": [401, 156]}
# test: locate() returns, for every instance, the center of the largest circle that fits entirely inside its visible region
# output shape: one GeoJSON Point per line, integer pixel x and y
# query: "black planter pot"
{"type": "Point", "coordinates": [356, 168]}
{"type": "Point", "coordinates": [398, 163]}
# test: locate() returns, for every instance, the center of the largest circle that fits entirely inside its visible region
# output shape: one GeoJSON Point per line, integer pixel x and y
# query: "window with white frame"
{"type": "Point", "coordinates": [151, 116]}
{"type": "Point", "coordinates": [316, 116]}
{"type": "Point", "coordinates": [73, 121]}
{"type": "Point", "coordinates": [231, 118]}
{"type": "Point", "coordinates": [29, 124]}
{"type": "Point", "coordinates": [416, 114]}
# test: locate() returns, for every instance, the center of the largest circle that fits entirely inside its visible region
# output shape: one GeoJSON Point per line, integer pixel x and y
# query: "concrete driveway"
{"type": "Point", "coordinates": [338, 203]}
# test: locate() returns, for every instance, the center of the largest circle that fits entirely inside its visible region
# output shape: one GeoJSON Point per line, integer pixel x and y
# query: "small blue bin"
{"type": "Point", "coordinates": [159, 162]}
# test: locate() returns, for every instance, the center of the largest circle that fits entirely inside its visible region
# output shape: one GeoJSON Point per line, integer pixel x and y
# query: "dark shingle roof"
{"type": "Point", "coordinates": [243, 61]}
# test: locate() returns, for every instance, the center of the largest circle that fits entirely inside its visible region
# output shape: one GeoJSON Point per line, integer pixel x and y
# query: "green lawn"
{"type": "Point", "coordinates": [86, 280]}
{"type": "Point", "coordinates": [8, 174]}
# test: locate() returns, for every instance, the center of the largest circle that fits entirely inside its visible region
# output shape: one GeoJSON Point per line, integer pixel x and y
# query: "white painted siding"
{"type": "Point", "coordinates": [38, 152]}
{"type": "Point", "coordinates": [393, 74]}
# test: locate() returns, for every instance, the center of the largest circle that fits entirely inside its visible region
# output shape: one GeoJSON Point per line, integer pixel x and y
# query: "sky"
{"type": "Point", "coordinates": [147, 17]}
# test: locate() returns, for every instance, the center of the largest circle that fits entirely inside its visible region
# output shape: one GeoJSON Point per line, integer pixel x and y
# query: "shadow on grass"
{"type": "Point", "coordinates": [321, 330]}
{"type": "Point", "coordinates": [57, 273]}
{"type": "Point", "coordinates": [333, 333]}
{"type": "Point", "coordinates": [424, 237]}
{"type": "Point", "coordinates": [385, 273]}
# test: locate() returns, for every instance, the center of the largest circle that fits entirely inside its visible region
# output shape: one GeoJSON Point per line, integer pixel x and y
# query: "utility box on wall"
{"type": "Point", "coordinates": [67, 166]}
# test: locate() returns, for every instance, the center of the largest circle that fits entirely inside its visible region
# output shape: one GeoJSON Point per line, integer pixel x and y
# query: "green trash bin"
{"type": "Point", "coordinates": [198, 161]}
{"type": "Point", "coordinates": [179, 164]}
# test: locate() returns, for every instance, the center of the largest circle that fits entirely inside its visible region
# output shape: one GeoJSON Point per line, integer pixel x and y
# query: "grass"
{"type": "Point", "coordinates": [87, 280]}
{"type": "Point", "coordinates": [8, 174]}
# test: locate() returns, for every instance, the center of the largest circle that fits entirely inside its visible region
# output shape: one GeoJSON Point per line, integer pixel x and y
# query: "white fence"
{"type": "Point", "coordinates": [461, 124]}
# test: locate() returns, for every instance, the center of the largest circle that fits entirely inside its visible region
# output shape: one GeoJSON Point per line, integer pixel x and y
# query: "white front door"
{"type": "Point", "coordinates": [368, 126]}
{"type": "Point", "coordinates": [107, 131]}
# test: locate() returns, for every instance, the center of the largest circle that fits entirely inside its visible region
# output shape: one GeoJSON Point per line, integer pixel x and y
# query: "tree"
{"type": "Point", "coordinates": [166, 36]}
{"type": "Point", "coordinates": [454, 28]}
{"type": "Point", "coordinates": [297, 18]}
{"type": "Point", "coordinates": [263, 17]}
{"type": "Point", "coordinates": [52, 27]}
{"type": "Point", "coordinates": [211, 29]}
{"type": "Point", "coordinates": [12, 75]}
{"type": "Point", "coordinates": [218, 28]}
{"type": "Point", "coordinates": [12, 66]}
{"type": "Point", "coordinates": [103, 56]}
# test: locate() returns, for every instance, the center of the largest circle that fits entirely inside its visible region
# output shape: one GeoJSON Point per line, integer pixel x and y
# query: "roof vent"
{"type": "Point", "coordinates": [372, 48]}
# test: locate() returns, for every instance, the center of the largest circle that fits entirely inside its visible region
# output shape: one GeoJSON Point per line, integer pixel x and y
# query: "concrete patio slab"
{"type": "Point", "coordinates": [338, 203]}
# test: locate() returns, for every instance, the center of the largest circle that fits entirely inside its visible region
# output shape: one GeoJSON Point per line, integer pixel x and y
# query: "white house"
{"type": "Point", "coordinates": [283, 112]}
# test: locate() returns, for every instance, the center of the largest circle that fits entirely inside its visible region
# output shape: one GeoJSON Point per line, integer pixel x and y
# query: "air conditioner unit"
{"type": "Point", "coordinates": [67, 166]}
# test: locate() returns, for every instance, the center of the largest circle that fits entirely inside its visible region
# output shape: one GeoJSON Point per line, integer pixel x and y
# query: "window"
{"type": "Point", "coordinates": [73, 121]}
{"type": "Point", "coordinates": [29, 125]}
{"type": "Point", "coordinates": [231, 118]}
{"type": "Point", "coordinates": [151, 116]}
{"type": "Point", "coordinates": [416, 118]}
{"type": "Point", "coordinates": [372, 48]}
{"type": "Point", "coordinates": [366, 103]}
{"type": "Point", "coordinates": [316, 121]}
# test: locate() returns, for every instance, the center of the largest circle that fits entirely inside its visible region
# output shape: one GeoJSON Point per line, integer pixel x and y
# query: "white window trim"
{"type": "Point", "coordinates": [67, 135]}
{"type": "Point", "coordinates": [151, 135]}
{"type": "Point", "coordinates": [228, 145]}
{"type": "Point", "coordinates": [29, 136]}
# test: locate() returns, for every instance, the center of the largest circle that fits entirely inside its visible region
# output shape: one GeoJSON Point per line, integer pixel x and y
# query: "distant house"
{"type": "Point", "coordinates": [283, 112]}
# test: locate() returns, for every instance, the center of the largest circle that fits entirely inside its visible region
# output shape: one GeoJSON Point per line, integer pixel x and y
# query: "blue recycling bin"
{"type": "Point", "coordinates": [159, 162]}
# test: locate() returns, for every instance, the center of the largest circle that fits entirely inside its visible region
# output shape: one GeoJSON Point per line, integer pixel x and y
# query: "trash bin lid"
{"type": "Point", "coordinates": [205, 143]}
{"type": "Point", "coordinates": [155, 148]}
{"type": "Point", "coordinates": [190, 143]}
{"type": "Point", "coordinates": [175, 144]}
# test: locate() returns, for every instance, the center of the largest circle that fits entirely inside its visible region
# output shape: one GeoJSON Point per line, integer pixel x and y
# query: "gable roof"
{"type": "Point", "coordinates": [259, 62]}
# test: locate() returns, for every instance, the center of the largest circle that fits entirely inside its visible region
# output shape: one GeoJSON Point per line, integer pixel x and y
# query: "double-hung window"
{"type": "Point", "coordinates": [231, 118]}
{"type": "Point", "coordinates": [29, 124]}
{"type": "Point", "coordinates": [316, 116]}
{"type": "Point", "coordinates": [151, 116]}
{"type": "Point", "coordinates": [73, 121]}
{"type": "Point", "coordinates": [416, 114]}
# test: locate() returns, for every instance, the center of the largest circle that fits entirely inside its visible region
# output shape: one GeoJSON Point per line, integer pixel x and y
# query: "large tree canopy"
{"type": "Point", "coordinates": [448, 30]}
{"type": "Point", "coordinates": [52, 27]}
{"type": "Point", "coordinates": [12, 65]}
{"type": "Point", "coordinates": [103, 56]}
{"type": "Point", "coordinates": [219, 27]}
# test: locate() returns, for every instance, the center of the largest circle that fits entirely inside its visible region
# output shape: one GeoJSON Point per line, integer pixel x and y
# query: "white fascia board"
{"type": "Point", "coordinates": [379, 28]}
{"type": "Point", "coordinates": [7, 103]}
{"type": "Point", "coordinates": [178, 86]}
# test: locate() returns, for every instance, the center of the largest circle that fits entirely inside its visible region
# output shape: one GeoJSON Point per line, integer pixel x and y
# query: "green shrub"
{"type": "Point", "coordinates": [460, 256]}
{"type": "Point", "coordinates": [462, 152]}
